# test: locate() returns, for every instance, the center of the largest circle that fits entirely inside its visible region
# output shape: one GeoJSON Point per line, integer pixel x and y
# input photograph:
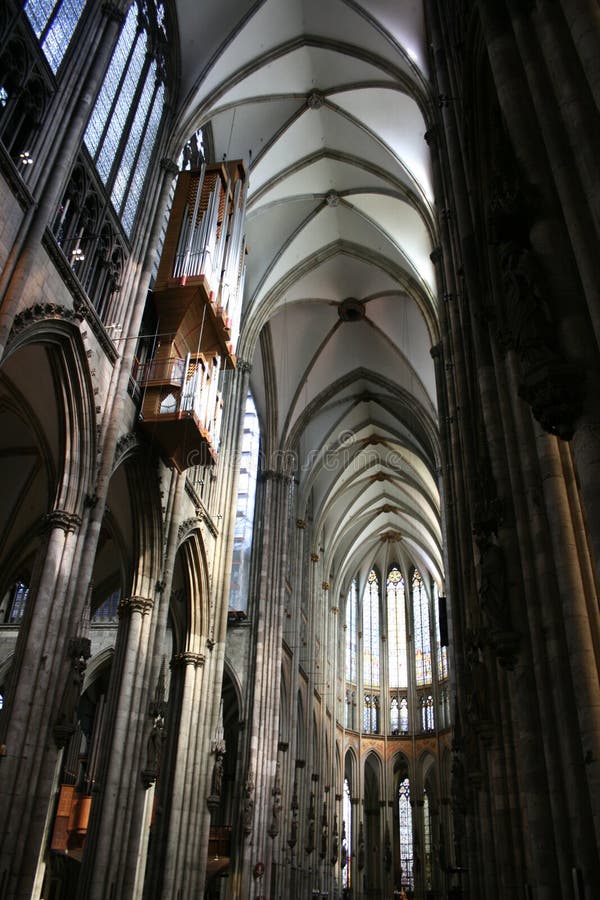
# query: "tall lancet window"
{"type": "Point", "coordinates": [396, 629]}
{"type": "Point", "coordinates": [54, 24]}
{"type": "Point", "coordinates": [244, 513]}
{"type": "Point", "coordinates": [421, 631]}
{"type": "Point", "coordinates": [346, 835]}
{"type": "Point", "coordinates": [370, 629]}
{"type": "Point", "coordinates": [351, 634]}
{"type": "Point", "coordinates": [124, 123]}
{"type": "Point", "coordinates": [371, 639]}
{"type": "Point", "coordinates": [427, 841]}
{"type": "Point", "coordinates": [406, 833]}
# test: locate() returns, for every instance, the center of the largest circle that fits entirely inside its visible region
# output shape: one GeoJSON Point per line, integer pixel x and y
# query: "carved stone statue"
{"type": "Point", "coordinates": [248, 806]}
{"type": "Point", "coordinates": [525, 309]}
{"type": "Point", "coordinates": [217, 777]}
{"type": "Point", "coordinates": [79, 651]}
{"type": "Point", "coordinates": [492, 583]}
{"type": "Point", "coordinates": [361, 846]}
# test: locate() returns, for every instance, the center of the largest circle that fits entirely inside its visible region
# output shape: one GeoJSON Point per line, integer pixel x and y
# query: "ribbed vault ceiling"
{"type": "Point", "coordinates": [327, 100]}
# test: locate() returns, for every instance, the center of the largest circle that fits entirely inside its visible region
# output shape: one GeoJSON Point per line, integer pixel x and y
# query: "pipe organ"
{"type": "Point", "coordinates": [198, 300]}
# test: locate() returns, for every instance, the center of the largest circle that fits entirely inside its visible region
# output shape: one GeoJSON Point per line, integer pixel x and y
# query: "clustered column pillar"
{"type": "Point", "coordinates": [47, 678]}
{"type": "Point", "coordinates": [273, 488]}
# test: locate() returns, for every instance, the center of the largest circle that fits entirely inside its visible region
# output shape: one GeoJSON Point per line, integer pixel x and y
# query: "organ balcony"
{"type": "Point", "coordinates": [200, 280]}
{"type": "Point", "coordinates": [182, 406]}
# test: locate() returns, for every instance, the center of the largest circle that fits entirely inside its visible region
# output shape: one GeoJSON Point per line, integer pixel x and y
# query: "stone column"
{"type": "Point", "coordinates": [265, 689]}
{"type": "Point", "coordinates": [112, 825]}
{"type": "Point", "coordinates": [556, 387]}
{"type": "Point", "coordinates": [40, 713]}
{"type": "Point", "coordinates": [583, 20]}
{"type": "Point", "coordinates": [181, 870]}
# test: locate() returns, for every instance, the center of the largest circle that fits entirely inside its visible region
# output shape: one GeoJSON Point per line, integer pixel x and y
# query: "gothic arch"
{"type": "Point", "coordinates": [47, 340]}
{"type": "Point", "coordinates": [190, 604]}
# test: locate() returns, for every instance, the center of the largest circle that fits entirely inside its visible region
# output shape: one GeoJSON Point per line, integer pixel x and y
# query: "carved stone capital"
{"type": "Point", "coordinates": [114, 12]}
{"type": "Point", "coordinates": [325, 585]}
{"type": "Point", "coordinates": [314, 557]}
{"type": "Point", "coordinates": [242, 365]}
{"type": "Point", "coordinates": [181, 660]}
{"type": "Point", "coordinates": [300, 523]}
{"type": "Point", "coordinates": [129, 605]}
{"type": "Point", "coordinates": [554, 390]}
{"type": "Point", "coordinates": [60, 518]}
{"type": "Point", "coordinates": [168, 166]}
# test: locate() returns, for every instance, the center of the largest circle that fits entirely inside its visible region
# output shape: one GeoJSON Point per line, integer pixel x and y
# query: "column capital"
{"type": "Point", "coordinates": [168, 166]}
{"type": "Point", "coordinates": [187, 659]}
{"type": "Point", "coordinates": [60, 518]}
{"type": "Point", "coordinates": [135, 604]}
{"type": "Point", "coordinates": [114, 12]}
{"type": "Point", "coordinates": [272, 475]}
{"type": "Point", "coordinates": [242, 365]}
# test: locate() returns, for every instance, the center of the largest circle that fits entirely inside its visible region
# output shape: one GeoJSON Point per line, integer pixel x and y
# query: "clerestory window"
{"type": "Point", "coordinates": [54, 23]}
{"type": "Point", "coordinates": [124, 123]}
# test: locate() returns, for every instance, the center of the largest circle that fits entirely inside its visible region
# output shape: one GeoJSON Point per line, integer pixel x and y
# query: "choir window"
{"type": "Point", "coordinates": [370, 630]}
{"type": "Point", "coordinates": [421, 631]}
{"type": "Point", "coordinates": [351, 633]}
{"type": "Point", "coordinates": [406, 833]}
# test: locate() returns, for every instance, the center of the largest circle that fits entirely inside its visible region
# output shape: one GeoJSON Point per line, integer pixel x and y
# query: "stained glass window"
{"type": "Point", "coordinates": [124, 124]}
{"type": "Point", "coordinates": [348, 710]}
{"type": "Point", "coordinates": [421, 631]}
{"type": "Point", "coordinates": [371, 714]}
{"type": "Point", "coordinates": [346, 835]}
{"type": "Point", "coordinates": [396, 630]}
{"type": "Point", "coordinates": [54, 24]}
{"type": "Point", "coordinates": [427, 713]}
{"type": "Point", "coordinates": [16, 603]}
{"type": "Point", "coordinates": [406, 833]}
{"type": "Point", "coordinates": [370, 630]}
{"type": "Point", "coordinates": [404, 716]}
{"type": "Point", "coordinates": [351, 633]}
{"type": "Point", "coordinates": [244, 513]}
{"type": "Point", "coordinates": [427, 841]}
{"type": "Point", "coordinates": [394, 716]}
{"type": "Point", "coordinates": [442, 652]}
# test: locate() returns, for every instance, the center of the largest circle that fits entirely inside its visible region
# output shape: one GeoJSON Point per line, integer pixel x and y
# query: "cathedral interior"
{"type": "Point", "coordinates": [300, 442]}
